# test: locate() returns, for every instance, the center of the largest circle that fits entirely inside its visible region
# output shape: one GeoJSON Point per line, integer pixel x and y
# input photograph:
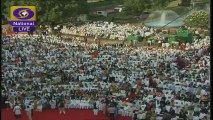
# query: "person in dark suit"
{"type": "Point", "coordinates": [135, 115]}
{"type": "Point", "coordinates": [183, 114]}
{"type": "Point", "coordinates": [111, 110]}
{"type": "Point", "coordinates": [163, 110]}
{"type": "Point", "coordinates": [204, 110]}
{"type": "Point", "coordinates": [61, 107]}
{"type": "Point", "coordinates": [172, 112]}
{"type": "Point", "coordinates": [95, 108]}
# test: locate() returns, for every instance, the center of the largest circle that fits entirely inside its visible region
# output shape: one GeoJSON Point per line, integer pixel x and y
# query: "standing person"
{"type": "Point", "coordinates": [95, 39]}
{"type": "Point", "coordinates": [85, 38]}
{"type": "Point", "coordinates": [134, 117]}
{"type": "Point", "coordinates": [31, 108]}
{"type": "Point", "coordinates": [61, 107]}
{"type": "Point", "coordinates": [29, 112]}
{"type": "Point", "coordinates": [39, 105]}
{"type": "Point", "coordinates": [17, 111]}
{"type": "Point", "coordinates": [111, 110]}
{"type": "Point", "coordinates": [106, 106]}
{"type": "Point", "coordinates": [67, 102]}
{"type": "Point", "coordinates": [95, 108]}
{"type": "Point", "coordinates": [53, 104]}
{"type": "Point", "coordinates": [115, 104]}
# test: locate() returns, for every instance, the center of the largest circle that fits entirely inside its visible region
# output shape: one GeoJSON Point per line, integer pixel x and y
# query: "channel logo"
{"type": "Point", "coordinates": [21, 13]}
{"type": "Point", "coordinates": [23, 18]}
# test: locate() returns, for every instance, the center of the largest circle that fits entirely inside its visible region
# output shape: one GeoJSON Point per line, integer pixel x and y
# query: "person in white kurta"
{"type": "Point", "coordinates": [17, 111]}
{"type": "Point", "coordinates": [29, 112]}
{"type": "Point", "coordinates": [53, 104]}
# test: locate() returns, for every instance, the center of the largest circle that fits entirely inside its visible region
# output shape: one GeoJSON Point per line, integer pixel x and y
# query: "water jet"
{"type": "Point", "coordinates": [164, 18]}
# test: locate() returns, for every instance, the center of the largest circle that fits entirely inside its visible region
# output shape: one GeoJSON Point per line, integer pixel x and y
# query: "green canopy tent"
{"type": "Point", "coordinates": [185, 36]}
{"type": "Point", "coordinates": [172, 39]}
{"type": "Point", "coordinates": [132, 38]}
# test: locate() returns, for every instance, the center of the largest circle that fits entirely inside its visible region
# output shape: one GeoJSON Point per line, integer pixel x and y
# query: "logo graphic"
{"type": "Point", "coordinates": [21, 13]}
{"type": "Point", "coordinates": [23, 18]}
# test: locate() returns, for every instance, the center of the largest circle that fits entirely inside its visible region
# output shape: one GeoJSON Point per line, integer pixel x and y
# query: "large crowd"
{"type": "Point", "coordinates": [145, 83]}
{"type": "Point", "coordinates": [108, 30]}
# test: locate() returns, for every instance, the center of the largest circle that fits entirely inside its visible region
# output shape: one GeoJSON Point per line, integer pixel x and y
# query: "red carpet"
{"type": "Point", "coordinates": [54, 115]}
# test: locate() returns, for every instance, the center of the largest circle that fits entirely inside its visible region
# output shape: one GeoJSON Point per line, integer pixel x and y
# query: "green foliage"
{"type": "Point", "coordinates": [207, 33]}
{"type": "Point", "coordinates": [197, 19]}
{"type": "Point", "coordinates": [134, 6]}
{"type": "Point", "coordinates": [185, 3]}
{"type": "Point", "coordinates": [180, 10]}
{"type": "Point", "coordinates": [137, 7]}
{"type": "Point", "coordinates": [160, 4]}
{"type": "Point", "coordinates": [102, 3]}
{"type": "Point", "coordinates": [48, 10]}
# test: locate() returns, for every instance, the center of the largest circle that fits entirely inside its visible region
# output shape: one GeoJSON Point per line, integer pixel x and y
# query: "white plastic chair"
{"type": "Point", "coordinates": [141, 116]}
{"type": "Point", "coordinates": [159, 118]}
{"type": "Point", "coordinates": [71, 105]}
{"type": "Point", "coordinates": [179, 103]}
{"type": "Point", "coordinates": [202, 115]}
{"type": "Point", "coordinates": [168, 108]}
{"type": "Point", "coordinates": [150, 97]}
{"type": "Point", "coordinates": [196, 118]}
{"type": "Point", "coordinates": [157, 110]}
{"type": "Point", "coordinates": [177, 110]}
{"type": "Point", "coordinates": [143, 107]}
{"type": "Point", "coordinates": [169, 97]}
{"type": "Point", "coordinates": [187, 103]}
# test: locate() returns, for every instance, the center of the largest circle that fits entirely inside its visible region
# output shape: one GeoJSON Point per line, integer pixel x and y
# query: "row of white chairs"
{"type": "Point", "coordinates": [80, 104]}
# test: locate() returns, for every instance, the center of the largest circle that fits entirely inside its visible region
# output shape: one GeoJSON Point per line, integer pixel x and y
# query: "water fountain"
{"type": "Point", "coordinates": [164, 18]}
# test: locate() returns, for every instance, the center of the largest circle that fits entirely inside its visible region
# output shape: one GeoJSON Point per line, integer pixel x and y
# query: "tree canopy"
{"type": "Point", "coordinates": [48, 10]}
{"type": "Point", "coordinates": [137, 7]}
{"type": "Point", "coordinates": [198, 19]}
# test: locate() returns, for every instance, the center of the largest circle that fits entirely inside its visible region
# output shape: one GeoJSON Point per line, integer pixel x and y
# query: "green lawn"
{"type": "Point", "coordinates": [118, 17]}
{"type": "Point", "coordinates": [173, 4]}
{"type": "Point", "coordinates": [121, 15]}
{"type": "Point", "coordinates": [101, 4]}
{"type": "Point", "coordinates": [180, 10]}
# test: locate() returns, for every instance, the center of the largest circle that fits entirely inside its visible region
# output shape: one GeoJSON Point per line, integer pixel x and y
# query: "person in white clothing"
{"type": "Point", "coordinates": [53, 104]}
{"type": "Point", "coordinates": [17, 111]}
{"type": "Point", "coordinates": [39, 107]}
{"type": "Point", "coordinates": [31, 108]}
{"type": "Point", "coordinates": [29, 112]}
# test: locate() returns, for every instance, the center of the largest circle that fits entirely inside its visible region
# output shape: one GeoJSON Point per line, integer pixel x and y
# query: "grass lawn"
{"type": "Point", "coordinates": [120, 15]}
{"type": "Point", "coordinates": [174, 4]}
{"type": "Point", "coordinates": [180, 10]}
{"type": "Point", "coordinates": [101, 4]}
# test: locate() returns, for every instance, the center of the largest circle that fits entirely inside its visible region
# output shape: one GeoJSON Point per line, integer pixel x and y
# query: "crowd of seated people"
{"type": "Point", "coordinates": [108, 30]}
{"type": "Point", "coordinates": [150, 83]}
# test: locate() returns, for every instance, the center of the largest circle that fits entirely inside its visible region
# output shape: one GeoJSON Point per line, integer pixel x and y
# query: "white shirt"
{"type": "Point", "coordinates": [17, 110]}
{"type": "Point", "coordinates": [203, 92]}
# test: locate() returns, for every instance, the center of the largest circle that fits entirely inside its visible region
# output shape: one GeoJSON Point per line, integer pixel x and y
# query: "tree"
{"type": "Point", "coordinates": [159, 4]}
{"type": "Point", "coordinates": [137, 7]}
{"type": "Point", "coordinates": [49, 10]}
{"type": "Point", "coordinates": [197, 19]}
{"type": "Point", "coordinates": [185, 3]}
